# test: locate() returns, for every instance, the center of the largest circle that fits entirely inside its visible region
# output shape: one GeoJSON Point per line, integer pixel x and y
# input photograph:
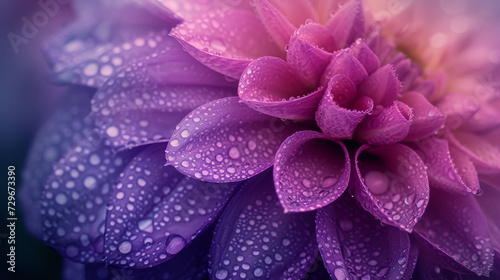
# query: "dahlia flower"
{"type": "Point", "coordinates": [312, 139]}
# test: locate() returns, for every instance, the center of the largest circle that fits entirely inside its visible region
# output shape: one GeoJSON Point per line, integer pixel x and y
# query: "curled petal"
{"type": "Point", "coordinates": [163, 209]}
{"type": "Point", "coordinates": [451, 220]}
{"type": "Point", "coordinates": [273, 87]}
{"type": "Point", "coordinates": [275, 22]}
{"type": "Point", "coordinates": [336, 121]}
{"type": "Point", "coordinates": [426, 120]}
{"type": "Point", "coordinates": [66, 127]}
{"type": "Point", "coordinates": [365, 56]}
{"type": "Point", "coordinates": [382, 86]}
{"type": "Point", "coordinates": [457, 108]}
{"type": "Point", "coordinates": [225, 45]}
{"type": "Point", "coordinates": [347, 24]}
{"type": "Point", "coordinates": [75, 198]}
{"type": "Point", "coordinates": [452, 172]}
{"type": "Point", "coordinates": [311, 170]}
{"type": "Point", "coordinates": [407, 72]}
{"type": "Point", "coordinates": [89, 52]}
{"type": "Point", "coordinates": [484, 154]}
{"type": "Point", "coordinates": [344, 63]}
{"type": "Point", "coordinates": [254, 232]}
{"type": "Point", "coordinates": [351, 241]}
{"type": "Point", "coordinates": [308, 52]}
{"type": "Point", "coordinates": [386, 125]}
{"type": "Point", "coordinates": [226, 141]}
{"type": "Point", "coordinates": [390, 182]}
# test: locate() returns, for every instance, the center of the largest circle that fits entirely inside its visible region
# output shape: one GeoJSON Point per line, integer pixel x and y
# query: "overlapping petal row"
{"type": "Point", "coordinates": [268, 108]}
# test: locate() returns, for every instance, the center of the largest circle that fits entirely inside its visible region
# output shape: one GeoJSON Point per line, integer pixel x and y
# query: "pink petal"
{"type": "Point", "coordinates": [229, 41]}
{"type": "Point", "coordinates": [391, 183]}
{"type": "Point", "coordinates": [352, 242]}
{"type": "Point", "coordinates": [427, 119]}
{"type": "Point", "coordinates": [452, 172]}
{"type": "Point", "coordinates": [382, 86]}
{"type": "Point", "coordinates": [347, 24]}
{"type": "Point", "coordinates": [453, 233]}
{"type": "Point", "coordinates": [426, 88]}
{"type": "Point", "coordinates": [226, 141]}
{"type": "Point", "coordinates": [457, 108]}
{"type": "Point", "coordinates": [273, 87]}
{"type": "Point", "coordinates": [188, 9]}
{"type": "Point", "coordinates": [486, 118]}
{"type": "Point", "coordinates": [334, 120]}
{"type": "Point", "coordinates": [275, 22]}
{"type": "Point", "coordinates": [310, 171]}
{"type": "Point", "coordinates": [346, 64]}
{"type": "Point", "coordinates": [484, 154]}
{"type": "Point", "coordinates": [365, 56]}
{"type": "Point", "coordinates": [386, 125]}
{"type": "Point", "coordinates": [308, 52]}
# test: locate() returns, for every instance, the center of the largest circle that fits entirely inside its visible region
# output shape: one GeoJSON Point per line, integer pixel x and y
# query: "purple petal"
{"type": "Point", "coordinates": [443, 168]}
{"type": "Point", "coordinates": [311, 170]}
{"type": "Point", "coordinates": [484, 154]}
{"type": "Point", "coordinates": [426, 87]}
{"type": "Point", "coordinates": [226, 141]}
{"type": "Point", "coordinates": [254, 234]}
{"type": "Point", "coordinates": [273, 87]}
{"type": "Point", "coordinates": [457, 108]}
{"type": "Point", "coordinates": [73, 270]}
{"type": "Point", "coordinates": [93, 49]}
{"type": "Point", "coordinates": [347, 24]}
{"type": "Point", "coordinates": [453, 233]}
{"type": "Point", "coordinates": [229, 42]}
{"type": "Point", "coordinates": [407, 72]}
{"type": "Point", "coordinates": [486, 118]}
{"type": "Point", "coordinates": [67, 126]}
{"type": "Point", "coordinates": [391, 183]}
{"type": "Point", "coordinates": [382, 86]}
{"type": "Point", "coordinates": [298, 13]}
{"type": "Point", "coordinates": [308, 52]}
{"type": "Point", "coordinates": [353, 243]}
{"type": "Point", "coordinates": [386, 125]}
{"type": "Point", "coordinates": [344, 63]}
{"type": "Point", "coordinates": [190, 263]}
{"type": "Point", "coordinates": [490, 207]}
{"type": "Point", "coordinates": [336, 121]}
{"type": "Point", "coordinates": [161, 208]}
{"type": "Point", "coordinates": [365, 56]}
{"type": "Point", "coordinates": [278, 26]}
{"type": "Point", "coordinates": [143, 103]}
{"type": "Point", "coordinates": [428, 270]}
{"type": "Point", "coordinates": [189, 9]}
{"type": "Point", "coordinates": [75, 197]}
{"type": "Point", "coordinates": [427, 119]}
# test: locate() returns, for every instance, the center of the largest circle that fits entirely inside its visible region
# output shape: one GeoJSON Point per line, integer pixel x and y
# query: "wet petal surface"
{"type": "Point", "coordinates": [226, 141]}
{"type": "Point", "coordinates": [226, 40]}
{"type": "Point", "coordinates": [426, 118]}
{"type": "Point", "coordinates": [75, 197]}
{"type": "Point", "coordinates": [255, 239]}
{"type": "Point", "coordinates": [67, 126]}
{"type": "Point", "coordinates": [391, 183]}
{"type": "Point", "coordinates": [348, 23]}
{"type": "Point", "coordinates": [311, 170]}
{"type": "Point", "coordinates": [155, 211]}
{"type": "Point", "coordinates": [354, 244]}
{"type": "Point", "coordinates": [442, 169]}
{"type": "Point", "coordinates": [454, 234]}
{"type": "Point", "coordinates": [386, 125]}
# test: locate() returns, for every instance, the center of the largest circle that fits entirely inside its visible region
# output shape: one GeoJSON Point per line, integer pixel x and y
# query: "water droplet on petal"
{"type": "Point", "coordinates": [175, 244]}
{"type": "Point", "coordinates": [125, 247]}
{"type": "Point", "coordinates": [376, 182]}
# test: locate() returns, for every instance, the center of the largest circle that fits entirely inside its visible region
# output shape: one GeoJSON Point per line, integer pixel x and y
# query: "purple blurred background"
{"type": "Point", "coordinates": [26, 101]}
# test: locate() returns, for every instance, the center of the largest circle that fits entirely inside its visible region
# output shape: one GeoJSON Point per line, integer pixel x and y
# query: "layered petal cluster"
{"type": "Point", "coordinates": [304, 139]}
